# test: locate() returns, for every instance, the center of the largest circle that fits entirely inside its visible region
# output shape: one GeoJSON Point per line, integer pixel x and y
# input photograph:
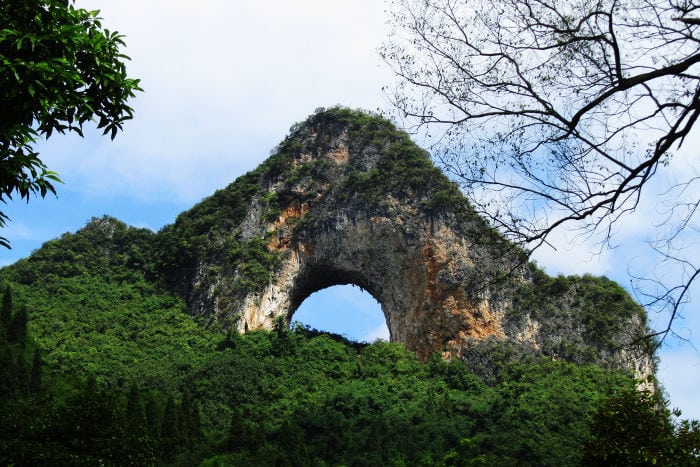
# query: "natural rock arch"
{"type": "Point", "coordinates": [376, 255]}
{"type": "Point", "coordinates": [346, 310]}
{"type": "Point", "coordinates": [319, 278]}
{"type": "Point", "coordinates": [347, 199]}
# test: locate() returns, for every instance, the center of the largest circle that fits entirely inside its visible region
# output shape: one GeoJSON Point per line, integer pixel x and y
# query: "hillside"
{"type": "Point", "coordinates": [166, 347]}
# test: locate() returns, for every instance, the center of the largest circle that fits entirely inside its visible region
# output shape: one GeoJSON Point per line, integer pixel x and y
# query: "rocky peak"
{"type": "Point", "coordinates": [348, 199]}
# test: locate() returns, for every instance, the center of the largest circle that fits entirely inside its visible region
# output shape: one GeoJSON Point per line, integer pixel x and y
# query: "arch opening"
{"type": "Point", "coordinates": [347, 310]}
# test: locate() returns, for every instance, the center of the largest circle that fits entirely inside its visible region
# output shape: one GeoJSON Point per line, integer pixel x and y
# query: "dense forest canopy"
{"type": "Point", "coordinates": [291, 396]}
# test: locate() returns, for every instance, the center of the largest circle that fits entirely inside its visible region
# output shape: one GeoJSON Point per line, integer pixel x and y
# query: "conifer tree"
{"type": "Point", "coordinates": [8, 381]}
{"type": "Point", "coordinates": [190, 421]}
{"type": "Point", "coordinates": [244, 434]}
{"type": "Point", "coordinates": [6, 311]}
{"type": "Point", "coordinates": [292, 445]}
{"type": "Point", "coordinates": [235, 433]}
{"type": "Point", "coordinates": [183, 418]}
{"type": "Point", "coordinates": [135, 415]}
{"type": "Point", "coordinates": [3, 337]}
{"type": "Point", "coordinates": [169, 429]}
{"type": "Point", "coordinates": [17, 332]}
{"type": "Point", "coordinates": [22, 375]}
{"type": "Point", "coordinates": [152, 417]}
{"type": "Point", "coordinates": [35, 378]}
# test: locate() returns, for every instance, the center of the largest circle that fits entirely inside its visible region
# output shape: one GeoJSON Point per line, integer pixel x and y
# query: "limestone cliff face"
{"type": "Point", "coordinates": [347, 199]}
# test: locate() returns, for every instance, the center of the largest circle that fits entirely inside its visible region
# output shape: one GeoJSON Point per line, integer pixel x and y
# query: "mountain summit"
{"type": "Point", "coordinates": [346, 198]}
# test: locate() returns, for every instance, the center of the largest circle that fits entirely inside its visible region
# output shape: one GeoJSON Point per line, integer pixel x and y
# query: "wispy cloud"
{"type": "Point", "coordinates": [568, 254]}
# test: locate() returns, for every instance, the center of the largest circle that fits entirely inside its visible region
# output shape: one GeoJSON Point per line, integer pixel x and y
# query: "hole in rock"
{"type": "Point", "coordinates": [346, 310]}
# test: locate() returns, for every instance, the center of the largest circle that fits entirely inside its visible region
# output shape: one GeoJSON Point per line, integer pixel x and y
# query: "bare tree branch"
{"type": "Point", "coordinates": [554, 114]}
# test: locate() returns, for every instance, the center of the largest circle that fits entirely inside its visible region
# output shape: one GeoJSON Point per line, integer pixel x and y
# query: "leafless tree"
{"type": "Point", "coordinates": [556, 114]}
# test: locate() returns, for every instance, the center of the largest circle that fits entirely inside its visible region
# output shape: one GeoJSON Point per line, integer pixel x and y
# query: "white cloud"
{"type": "Point", "coordinates": [567, 254]}
{"type": "Point", "coordinates": [223, 81]}
{"type": "Point", "coordinates": [20, 231]}
{"type": "Point", "coordinates": [380, 332]}
{"type": "Point", "coordinates": [356, 297]}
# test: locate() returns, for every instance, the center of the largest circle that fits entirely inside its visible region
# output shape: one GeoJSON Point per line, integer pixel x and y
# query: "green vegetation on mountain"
{"type": "Point", "coordinates": [103, 363]}
{"type": "Point", "coordinates": [602, 306]}
{"type": "Point", "coordinates": [125, 376]}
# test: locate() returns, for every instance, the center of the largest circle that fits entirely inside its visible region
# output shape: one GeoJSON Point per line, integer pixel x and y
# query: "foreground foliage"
{"type": "Point", "coordinates": [59, 69]}
{"type": "Point", "coordinates": [634, 428]}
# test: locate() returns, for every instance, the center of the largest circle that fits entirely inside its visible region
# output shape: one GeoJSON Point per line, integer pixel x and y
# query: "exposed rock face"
{"type": "Point", "coordinates": [413, 267]}
{"type": "Point", "coordinates": [347, 199]}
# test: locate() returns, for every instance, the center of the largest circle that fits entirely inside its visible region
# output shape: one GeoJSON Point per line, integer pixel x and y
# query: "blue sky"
{"type": "Point", "coordinates": [224, 80]}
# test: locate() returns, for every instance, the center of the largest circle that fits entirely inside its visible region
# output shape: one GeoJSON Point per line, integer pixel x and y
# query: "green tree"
{"type": "Point", "coordinates": [59, 70]}
{"type": "Point", "coordinates": [9, 379]}
{"type": "Point", "coordinates": [291, 446]}
{"type": "Point", "coordinates": [283, 342]}
{"type": "Point", "coordinates": [22, 374]}
{"type": "Point", "coordinates": [135, 414]}
{"type": "Point", "coordinates": [170, 429]}
{"type": "Point", "coordinates": [465, 455]}
{"type": "Point", "coordinates": [244, 434]}
{"type": "Point", "coordinates": [152, 417]}
{"type": "Point", "coordinates": [91, 416]}
{"type": "Point", "coordinates": [635, 428]}
{"type": "Point", "coordinates": [35, 376]}
{"type": "Point", "coordinates": [6, 311]}
{"type": "Point", "coordinates": [17, 332]}
{"type": "Point", "coordinates": [190, 421]}
{"type": "Point", "coordinates": [558, 113]}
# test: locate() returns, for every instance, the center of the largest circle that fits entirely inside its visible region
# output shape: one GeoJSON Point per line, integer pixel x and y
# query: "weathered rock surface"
{"type": "Point", "coordinates": [347, 199]}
